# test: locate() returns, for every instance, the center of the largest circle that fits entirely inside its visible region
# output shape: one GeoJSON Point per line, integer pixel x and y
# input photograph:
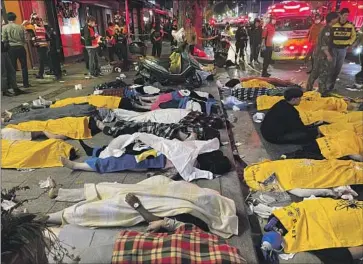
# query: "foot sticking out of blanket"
{"type": "Point", "coordinates": [75, 165]}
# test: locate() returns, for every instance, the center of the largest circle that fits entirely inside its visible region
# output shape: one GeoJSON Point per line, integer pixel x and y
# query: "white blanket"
{"type": "Point", "coordinates": [167, 116]}
{"type": "Point", "coordinates": [105, 205]}
{"type": "Point", "coordinates": [183, 154]}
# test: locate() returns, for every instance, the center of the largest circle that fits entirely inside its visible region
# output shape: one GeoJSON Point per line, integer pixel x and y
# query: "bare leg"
{"type": "Point", "coordinates": [51, 135]}
{"type": "Point", "coordinates": [75, 165]}
{"type": "Point", "coordinates": [131, 199]}
{"type": "Point", "coordinates": [357, 252]}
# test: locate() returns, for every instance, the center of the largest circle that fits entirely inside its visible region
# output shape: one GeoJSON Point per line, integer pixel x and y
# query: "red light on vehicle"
{"type": "Point", "coordinates": [306, 46]}
{"type": "Point", "coordinates": [292, 47]}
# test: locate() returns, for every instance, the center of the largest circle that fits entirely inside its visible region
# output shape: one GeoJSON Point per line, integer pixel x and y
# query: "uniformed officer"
{"type": "Point", "coordinates": [323, 56]}
{"type": "Point", "coordinates": [343, 35]}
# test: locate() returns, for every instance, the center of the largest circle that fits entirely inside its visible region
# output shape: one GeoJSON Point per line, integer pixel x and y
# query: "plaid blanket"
{"type": "Point", "coordinates": [244, 94]}
{"type": "Point", "coordinates": [187, 244]}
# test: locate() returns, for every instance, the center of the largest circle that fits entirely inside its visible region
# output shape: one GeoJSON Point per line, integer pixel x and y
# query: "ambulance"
{"type": "Point", "coordinates": [293, 21]}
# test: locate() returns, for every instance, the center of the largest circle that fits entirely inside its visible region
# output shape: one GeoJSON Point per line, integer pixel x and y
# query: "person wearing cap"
{"type": "Point", "coordinates": [267, 45]}
{"type": "Point", "coordinates": [255, 34]}
{"type": "Point", "coordinates": [313, 39]}
{"type": "Point", "coordinates": [323, 56]}
{"type": "Point", "coordinates": [283, 125]}
{"type": "Point", "coordinates": [343, 36]}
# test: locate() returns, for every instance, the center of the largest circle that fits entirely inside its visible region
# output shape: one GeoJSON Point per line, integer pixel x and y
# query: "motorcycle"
{"type": "Point", "coordinates": [221, 50]}
{"type": "Point", "coordinates": [153, 69]}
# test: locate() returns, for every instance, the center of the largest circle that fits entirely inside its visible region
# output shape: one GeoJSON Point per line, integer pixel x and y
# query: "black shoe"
{"type": "Point", "coordinates": [265, 74]}
{"type": "Point", "coordinates": [9, 94]}
{"type": "Point", "coordinates": [27, 86]}
{"type": "Point", "coordinates": [39, 76]}
{"type": "Point", "coordinates": [19, 92]}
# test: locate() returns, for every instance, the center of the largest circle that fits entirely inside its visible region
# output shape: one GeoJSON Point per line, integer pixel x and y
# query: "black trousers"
{"type": "Point", "coordinates": [19, 53]}
{"type": "Point", "coordinates": [255, 51]}
{"type": "Point", "coordinates": [111, 53]}
{"type": "Point", "coordinates": [267, 58]}
{"type": "Point", "coordinates": [55, 62]}
{"type": "Point", "coordinates": [156, 51]}
{"type": "Point", "coordinates": [85, 57]}
{"type": "Point", "coordinates": [240, 48]}
{"type": "Point", "coordinates": [121, 52]}
{"type": "Point", "coordinates": [43, 59]}
{"type": "Point", "coordinates": [297, 137]}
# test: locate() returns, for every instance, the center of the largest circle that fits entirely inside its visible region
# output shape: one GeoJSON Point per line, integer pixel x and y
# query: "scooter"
{"type": "Point", "coordinates": [221, 50]}
{"type": "Point", "coordinates": [204, 56]}
{"type": "Point", "coordinates": [153, 69]}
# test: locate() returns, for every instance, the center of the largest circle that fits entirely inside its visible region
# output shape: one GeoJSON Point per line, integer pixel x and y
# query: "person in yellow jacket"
{"type": "Point", "coordinates": [343, 36]}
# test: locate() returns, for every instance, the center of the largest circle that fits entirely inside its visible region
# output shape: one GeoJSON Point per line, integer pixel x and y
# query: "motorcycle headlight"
{"type": "Point", "coordinates": [279, 39]}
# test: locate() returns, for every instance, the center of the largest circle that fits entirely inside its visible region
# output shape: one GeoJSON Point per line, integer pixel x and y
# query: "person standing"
{"type": "Point", "coordinates": [190, 35]}
{"type": "Point", "coordinates": [255, 34]}
{"type": "Point", "coordinates": [343, 36]}
{"type": "Point", "coordinates": [15, 35]}
{"type": "Point", "coordinates": [313, 39]}
{"type": "Point", "coordinates": [91, 40]}
{"type": "Point", "coordinates": [358, 44]}
{"type": "Point", "coordinates": [121, 46]}
{"type": "Point", "coordinates": [110, 34]}
{"type": "Point", "coordinates": [40, 40]}
{"type": "Point", "coordinates": [267, 45]}
{"type": "Point", "coordinates": [174, 28]}
{"type": "Point", "coordinates": [8, 73]}
{"type": "Point", "coordinates": [54, 50]}
{"type": "Point", "coordinates": [241, 36]}
{"type": "Point", "coordinates": [156, 40]}
{"type": "Point", "coordinates": [323, 56]}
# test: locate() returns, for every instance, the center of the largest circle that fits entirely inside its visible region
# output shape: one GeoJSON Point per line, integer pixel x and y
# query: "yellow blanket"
{"type": "Point", "coordinates": [100, 101]}
{"type": "Point", "coordinates": [255, 83]}
{"type": "Point", "coordinates": [340, 144]}
{"type": "Point", "coordinates": [310, 117]}
{"type": "Point", "coordinates": [309, 102]}
{"type": "Point", "coordinates": [330, 130]}
{"type": "Point", "coordinates": [72, 127]}
{"type": "Point", "coordinates": [33, 154]}
{"type": "Point", "coordinates": [321, 223]}
{"type": "Point", "coordinates": [105, 205]}
{"type": "Point", "coordinates": [305, 173]}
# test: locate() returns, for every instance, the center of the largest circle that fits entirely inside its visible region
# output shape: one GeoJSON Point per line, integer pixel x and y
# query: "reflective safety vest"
{"type": "Point", "coordinates": [343, 35]}
{"type": "Point", "coordinates": [40, 36]}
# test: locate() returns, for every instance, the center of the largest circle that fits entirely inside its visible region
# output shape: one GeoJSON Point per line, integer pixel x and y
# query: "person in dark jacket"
{"type": "Point", "coordinates": [282, 123]}
{"type": "Point", "coordinates": [255, 34]}
{"type": "Point", "coordinates": [8, 73]}
{"type": "Point", "coordinates": [54, 53]}
{"type": "Point", "coordinates": [91, 40]}
{"type": "Point", "coordinates": [156, 40]}
{"type": "Point", "coordinates": [241, 38]}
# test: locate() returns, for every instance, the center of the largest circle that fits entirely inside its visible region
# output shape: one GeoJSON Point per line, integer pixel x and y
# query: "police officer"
{"type": "Point", "coordinates": [343, 35]}
{"type": "Point", "coordinates": [323, 57]}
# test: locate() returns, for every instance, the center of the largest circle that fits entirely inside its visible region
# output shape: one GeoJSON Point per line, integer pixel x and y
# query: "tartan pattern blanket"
{"type": "Point", "coordinates": [194, 122]}
{"type": "Point", "coordinates": [187, 244]}
{"type": "Point", "coordinates": [244, 94]}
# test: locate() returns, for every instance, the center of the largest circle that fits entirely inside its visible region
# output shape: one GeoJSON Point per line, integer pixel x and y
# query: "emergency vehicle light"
{"type": "Point", "coordinates": [278, 10]}
{"type": "Point", "coordinates": [305, 46]}
{"type": "Point", "coordinates": [360, 7]}
{"type": "Point", "coordinates": [292, 7]}
{"type": "Point", "coordinates": [291, 47]}
{"type": "Point", "coordinates": [306, 8]}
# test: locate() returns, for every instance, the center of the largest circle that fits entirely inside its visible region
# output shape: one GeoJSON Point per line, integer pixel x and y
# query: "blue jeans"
{"type": "Point", "coordinates": [336, 66]}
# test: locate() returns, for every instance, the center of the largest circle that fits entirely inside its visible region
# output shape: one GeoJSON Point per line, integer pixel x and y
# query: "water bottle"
{"type": "Point", "coordinates": [271, 241]}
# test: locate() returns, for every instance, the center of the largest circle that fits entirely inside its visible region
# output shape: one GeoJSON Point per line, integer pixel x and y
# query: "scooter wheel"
{"type": "Point", "coordinates": [196, 80]}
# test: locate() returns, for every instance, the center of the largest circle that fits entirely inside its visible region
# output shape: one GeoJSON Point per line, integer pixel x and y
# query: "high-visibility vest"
{"type": "Point", "coordinates": [343, 35]}
{"type": "Point", "coordinates": [40, 36]}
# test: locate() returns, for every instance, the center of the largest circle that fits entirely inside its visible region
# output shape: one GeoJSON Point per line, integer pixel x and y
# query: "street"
{"type": "Point", "coordinates": [251, 147]}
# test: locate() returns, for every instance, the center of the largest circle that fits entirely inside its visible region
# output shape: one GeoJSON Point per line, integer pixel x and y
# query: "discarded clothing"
{"type": "Point", "coordinates": [110, 102]}
{"type": "Point", "coordinates": [54, 113]}
{"type": "Point", "coordinates": [182, 154]}
{"type": "Point", "coordinates": [192, 244]}
{"type": "Point", "coordinates": [15, 134]}
{"type": "Point", "coordinates": [311, 101]}
{"type": "Point", "coordinates": [282, 125]}
{"type": "Point", "coordinates": [330, 130]}
{"type": "Point", "coordinates": [125, 162]}
{"type": "Point", "coordinates": [321, 223]}
{"type": "Point", "coordinates": [71, 127]}
{"type": "Point", "coordinates": [34, 154]}
{"type": "Point", "coordinates": [341, 144]}
{"type": "Point", "coordinates": [168, 116]}
{"type": "Point", "coordinates": [305, 173]}
{"type": "Point", "coordinates": [105, 205]}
